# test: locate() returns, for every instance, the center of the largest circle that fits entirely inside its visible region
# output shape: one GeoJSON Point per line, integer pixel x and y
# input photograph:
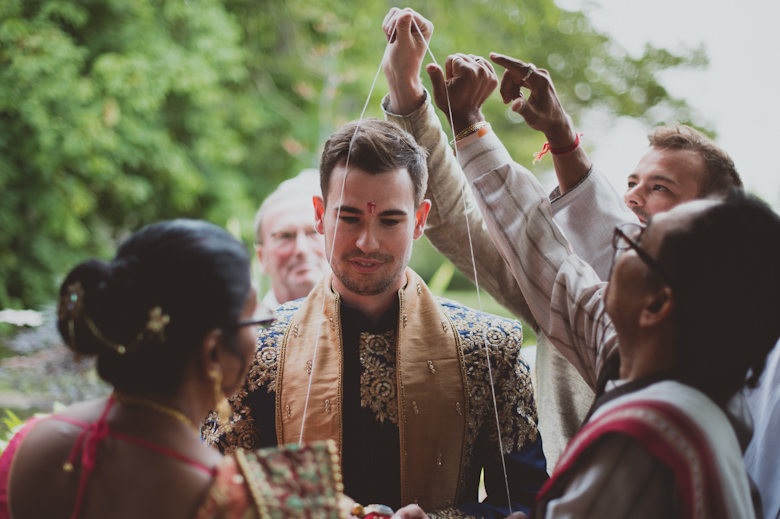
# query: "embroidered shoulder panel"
{"type": "Point", "coordinates": [241, 431]}
{"type": "Point", "coordinates": [514, 392]}
{"type": "Point", "coordinates": [262, 371]}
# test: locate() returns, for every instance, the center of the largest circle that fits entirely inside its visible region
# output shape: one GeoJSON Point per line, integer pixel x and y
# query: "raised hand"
{"type": "Point", "coordinates": [468, 82]}
{"type": "Point", "coordinates": [543, 112]}
{"type": "Point", "coordinates": [408, 34]}
{"type": "Point", "coordinates": [542, 109]}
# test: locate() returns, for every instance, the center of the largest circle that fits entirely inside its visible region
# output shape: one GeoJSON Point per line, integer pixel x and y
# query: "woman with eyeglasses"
{"type": "Point", "coordinates": [170, 320]}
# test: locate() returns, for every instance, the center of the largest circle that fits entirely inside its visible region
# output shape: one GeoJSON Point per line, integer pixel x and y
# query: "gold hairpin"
{"type": "Point", "coordinates": [155, 328]}
{"type": "Point", "coordinates": [71, 307]}
{"type": "Point", "coordinates": [157, 322]}
{"type": "Point", "coordinates": [119, 348]}
{"type": "Point", "coordinates": [155, 325]}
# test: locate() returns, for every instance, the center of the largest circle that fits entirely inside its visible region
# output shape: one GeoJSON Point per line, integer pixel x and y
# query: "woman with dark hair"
{"type": "Point", "coordinates": [170, 321]}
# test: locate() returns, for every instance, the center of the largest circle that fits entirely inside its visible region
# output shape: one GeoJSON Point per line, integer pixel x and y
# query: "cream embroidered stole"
{"type": "Point", "coordinates": [430, 370]}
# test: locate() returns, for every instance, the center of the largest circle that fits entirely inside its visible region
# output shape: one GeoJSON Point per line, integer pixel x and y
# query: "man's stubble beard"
{"type": "Point", "coordinates": [643, 216]}
{"type": "Point", "coordinates": [368, 284]}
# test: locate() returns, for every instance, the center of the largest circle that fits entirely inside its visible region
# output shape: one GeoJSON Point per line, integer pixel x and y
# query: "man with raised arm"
{"type": "Point", "coordinates": [663, 439]}
{"type": "Point", "coordinates": [663, 318]}
{"type": "Point", "coordinates": [371, 359]}
{"type": "Point", "coordinates": [681, 165]}
{"type": "Point", "coordinates": [563, 396]}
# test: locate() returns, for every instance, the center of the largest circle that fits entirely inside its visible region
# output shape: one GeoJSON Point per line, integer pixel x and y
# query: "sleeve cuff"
{"type": "Point", "coordinates": [483, 155]}
{"type": "Point", "coordinates": [401, 120]}
{"type": "Point", "coordinates": [556, 194]}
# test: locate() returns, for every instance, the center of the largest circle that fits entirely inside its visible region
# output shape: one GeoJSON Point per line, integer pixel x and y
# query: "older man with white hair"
{"type": "Point", "coordinates": [289, 249]}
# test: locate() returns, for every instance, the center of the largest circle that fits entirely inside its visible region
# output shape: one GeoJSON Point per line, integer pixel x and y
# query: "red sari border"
{"type": "Point", "coordinates": [669, 435]}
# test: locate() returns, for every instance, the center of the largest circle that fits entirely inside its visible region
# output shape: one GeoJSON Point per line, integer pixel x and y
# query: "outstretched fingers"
{"type": "Point", "coordinates": [541, 108]}
{"type": "Point", "coordinates": [517, 74]}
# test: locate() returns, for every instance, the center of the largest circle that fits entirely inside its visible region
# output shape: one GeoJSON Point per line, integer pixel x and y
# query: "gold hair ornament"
{"type": "Point", "coordinates": [71, 307]}
{"type": "Point", "coordinates": [154, 329]}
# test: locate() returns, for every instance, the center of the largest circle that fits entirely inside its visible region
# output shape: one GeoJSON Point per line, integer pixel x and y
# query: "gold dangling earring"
{"type": "Point", "coordinates": [224, 410]}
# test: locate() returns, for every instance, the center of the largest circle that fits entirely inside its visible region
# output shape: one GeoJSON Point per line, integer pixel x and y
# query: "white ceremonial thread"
{"type": "Point", "coordinates": [476, 279]}
{"type": "Point", "coordinates": [471, 250]}
{"type": "Point", "coordinates": [332, 248]}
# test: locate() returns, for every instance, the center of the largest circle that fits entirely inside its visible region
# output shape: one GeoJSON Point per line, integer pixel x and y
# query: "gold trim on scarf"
{"type": "Point", "coordinates": [323, 421]}
{"type": "Point", "coordinates": [430, 374]}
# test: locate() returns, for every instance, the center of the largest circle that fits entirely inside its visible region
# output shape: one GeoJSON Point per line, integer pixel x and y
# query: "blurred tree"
{"type": "Point", "coordinates": [327, 53]}
{"type": "Point", "coordinates": [115, 114]}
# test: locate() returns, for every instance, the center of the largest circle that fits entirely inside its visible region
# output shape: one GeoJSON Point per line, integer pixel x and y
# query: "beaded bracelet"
{"type": "Point", "coordinates": [469, 130]}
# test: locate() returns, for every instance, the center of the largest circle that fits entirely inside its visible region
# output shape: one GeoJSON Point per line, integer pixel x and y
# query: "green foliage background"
{"type": "Point", "coordinates": [118, 113]}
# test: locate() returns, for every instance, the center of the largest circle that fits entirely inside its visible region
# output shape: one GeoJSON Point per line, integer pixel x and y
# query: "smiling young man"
{"type": "Point", "coordinates": [682, 164]}
{"type": "Point", "coordinates": [379, 216]}
{"type": "Point", "coordinates": [400, 378]}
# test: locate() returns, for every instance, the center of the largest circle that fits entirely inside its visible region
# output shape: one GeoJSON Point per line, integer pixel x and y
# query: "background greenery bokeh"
{"type": "Point", "coordinates": [118, 113]}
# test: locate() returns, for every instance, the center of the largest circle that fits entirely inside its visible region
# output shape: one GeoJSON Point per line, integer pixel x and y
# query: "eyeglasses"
{"type": "Point", "coordinates": [627, 236]}
{"type": "Point", "coordinates": [261, 318]}
{"type": "Point", "coordinates": [286, 238]}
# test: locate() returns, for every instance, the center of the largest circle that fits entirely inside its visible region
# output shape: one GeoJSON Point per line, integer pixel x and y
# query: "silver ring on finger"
{"type": "Point", "coordinates": [531, 70]}
{"type": "Point", "coordinates": [479, 60]}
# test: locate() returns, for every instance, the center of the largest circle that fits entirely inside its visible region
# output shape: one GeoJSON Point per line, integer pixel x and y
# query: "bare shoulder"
{"type": "Point", "coordinates": [40, 461]}
{"type": "Point", "coordinates": [52, 435]}
{"type": "Point", "coordinates": [125, 476]}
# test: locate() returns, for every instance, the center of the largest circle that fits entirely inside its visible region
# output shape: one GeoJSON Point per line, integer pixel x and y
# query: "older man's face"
{"type": "Point", "coordinates": [663, 179]}
{"type": "Point", "coordinates": [292, 252]}
{"type": "Point", "coordinates": [628, 289]}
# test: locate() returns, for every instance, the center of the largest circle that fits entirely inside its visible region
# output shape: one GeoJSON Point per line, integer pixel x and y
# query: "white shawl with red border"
{"type": "Point", "coordinates": [687, 432]}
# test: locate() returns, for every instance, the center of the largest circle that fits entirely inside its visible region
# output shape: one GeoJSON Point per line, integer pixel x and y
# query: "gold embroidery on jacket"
{"type": "Point", "coordinates": [450, 513]}
{"type": "Point", "coordinates": [378, 386]}
{"type": "Point", "coordinates": [514, 393]}
{"type": "Point", "coordinates": [242, 431]}
{"type": "Point", "coordinates": [379, 391]}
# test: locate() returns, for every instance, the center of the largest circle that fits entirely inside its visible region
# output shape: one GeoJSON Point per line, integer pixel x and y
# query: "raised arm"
{"type": "Point", "coordinates": [563, 292]}
{"type": "Point", "coordinates": [408, 34]}
{"type": "Point", "coordinates": [446, 226]}
{"type": "Point", "coordinates": [542, 111]}
{"type": "Point", "coordinates": [585, 205]}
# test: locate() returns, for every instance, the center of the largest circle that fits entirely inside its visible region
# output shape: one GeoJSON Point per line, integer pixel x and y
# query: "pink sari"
{"type": "Point", "coordinates": [243, 485]}
{"type": "Point", "coordinates": [5, 465]}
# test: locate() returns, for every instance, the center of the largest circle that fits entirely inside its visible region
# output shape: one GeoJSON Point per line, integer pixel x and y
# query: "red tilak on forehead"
{"type": "Point", "coordinates": [371, 207]}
